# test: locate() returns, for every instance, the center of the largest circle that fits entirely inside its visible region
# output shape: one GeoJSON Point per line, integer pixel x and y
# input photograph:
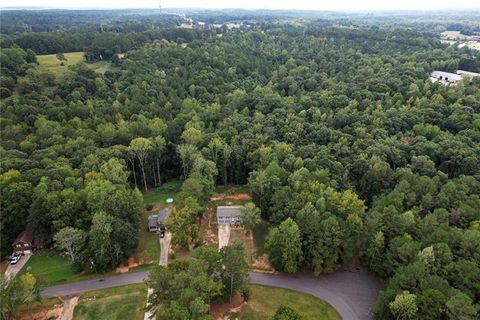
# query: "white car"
{"type": "Point", "coordinates": [15, 258]}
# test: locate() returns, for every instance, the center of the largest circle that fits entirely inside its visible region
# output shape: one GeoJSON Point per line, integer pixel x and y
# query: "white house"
{"type": "Point", "coordinates": [448, 78]}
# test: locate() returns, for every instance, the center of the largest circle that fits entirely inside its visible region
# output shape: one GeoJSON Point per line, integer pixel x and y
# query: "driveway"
{"type": "Point", "coordinates": [68, 306]}
{"type": "Point", "coordinates": [13, 269]}
{"type": "Point", "coordinates": [223, 235]}
{"type": "Point", "coordinates": [350, 291]}
{"type": "Point", "coordinates": [164, 248]}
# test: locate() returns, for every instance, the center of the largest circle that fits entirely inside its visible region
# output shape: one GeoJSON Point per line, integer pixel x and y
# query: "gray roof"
{"type": "Point", "coordinates": [163, 215]}
{"type": "Point", "coordinates": [152, 220]}
{"type": "Point", "coordinates": [228, 211]}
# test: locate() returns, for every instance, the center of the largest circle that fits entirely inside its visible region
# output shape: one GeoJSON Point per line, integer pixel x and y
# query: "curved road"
{"type": "Point", "coordinates": [351, 291]}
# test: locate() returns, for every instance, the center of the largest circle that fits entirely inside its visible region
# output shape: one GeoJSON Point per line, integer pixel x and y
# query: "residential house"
{"type": "Point", "coordinates": [229, 215]}
{"type": "Point", "coordinates": [26, 242]}
{"type": "Point", "coordinates": [157, 222]}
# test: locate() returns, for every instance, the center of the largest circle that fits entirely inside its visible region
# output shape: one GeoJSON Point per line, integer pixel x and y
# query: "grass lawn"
{"type": "Point", "coordinates": [51, 268]}
{"type": "Point", "coordinates": [44, 304]}
{"type": "Point", "coordinates": [260, 233]}
{"type": "Point", "coordinates": [264, 302]}
{"type": "Point", "coordinates": [50, 63]}
{"type": "Point", "coordinates": [126, 302]}
{"type": "Point", "coordinates": [148, 244]}
{"type": "Point", "coordinates": [160, 194]}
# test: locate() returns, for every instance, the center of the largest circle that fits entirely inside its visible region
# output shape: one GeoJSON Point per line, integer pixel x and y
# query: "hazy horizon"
{"type": "Point", "coordinates": [340, 5]}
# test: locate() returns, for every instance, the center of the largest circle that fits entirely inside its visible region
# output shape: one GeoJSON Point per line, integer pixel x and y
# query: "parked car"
{"type": "Point", "coordinates": [14, 258]}
{"type": "Point", "coordinates": [162, 234]}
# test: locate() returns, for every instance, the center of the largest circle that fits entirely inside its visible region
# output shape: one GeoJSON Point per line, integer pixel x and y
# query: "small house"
{"type": "Point", "coordinates": [156, 222]}
{"type": "Point", "coordinates": [24, 243]}
{"type": "Point", "coordinates": [229, 215]}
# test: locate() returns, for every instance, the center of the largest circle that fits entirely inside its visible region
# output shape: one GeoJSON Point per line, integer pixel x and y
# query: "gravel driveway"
{"type": "Point", "coordinates": [223, 235]}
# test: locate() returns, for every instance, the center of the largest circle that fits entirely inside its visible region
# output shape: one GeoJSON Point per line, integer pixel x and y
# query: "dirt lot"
{"type": "Point", "coordinates": [225, 196]}
{"type": "Point", "coordinates": [223, 311]}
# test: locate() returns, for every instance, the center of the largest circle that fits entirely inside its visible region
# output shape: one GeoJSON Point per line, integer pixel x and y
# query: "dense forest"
{"type": "Point", "coordinates": [349, 150]}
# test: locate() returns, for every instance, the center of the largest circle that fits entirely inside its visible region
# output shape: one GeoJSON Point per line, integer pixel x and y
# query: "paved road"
{"type": "Point", "coordinates": [350, 291]}
{"type": "Point", "coordinates": [70, 289]}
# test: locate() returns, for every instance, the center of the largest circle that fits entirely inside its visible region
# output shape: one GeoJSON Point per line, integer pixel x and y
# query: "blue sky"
{"type": "Point", "coordinates": [253, 4]}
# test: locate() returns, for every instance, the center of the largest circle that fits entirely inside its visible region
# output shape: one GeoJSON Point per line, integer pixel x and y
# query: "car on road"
{"type": "Point", "coordinates": [14, 258]}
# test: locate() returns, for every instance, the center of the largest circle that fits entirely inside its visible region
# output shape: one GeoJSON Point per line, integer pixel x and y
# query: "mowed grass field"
{"type": "Point", "coordinates": [127, 302]}
{"type": "Point", "coordinates": [264, 302]}
{"type": "Point", "coordinates": [50, 63]}
{"type": "Point", "coordinates": [51, 268]}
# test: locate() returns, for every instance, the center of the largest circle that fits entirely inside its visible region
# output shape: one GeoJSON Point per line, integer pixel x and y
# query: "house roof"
{"type": "Point", "coordinates": [25, 237]}
{"type": "Point", "coordinates": [163, 215]}
{"type": "Point", "coordinates": [228, 211]}
{"type": "Point", "coordinates": [450, 76]}
{"type": "Point", "coordinates": [152, 220]}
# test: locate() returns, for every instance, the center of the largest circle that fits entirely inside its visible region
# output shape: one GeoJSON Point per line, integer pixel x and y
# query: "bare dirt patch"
{"type": "Point", "coordinates": [261, 264]}
{"type": "Point", "coordinates": [224, 310]}
{"type": "Point", "coordinates": [224, 196]}
{"type": "Point", "coordinates": [43, 315]}
{"type": "Point", "coordinates": [208, 228]}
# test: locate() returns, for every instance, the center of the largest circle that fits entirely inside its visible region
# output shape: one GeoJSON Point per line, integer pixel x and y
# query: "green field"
{"type": "Point", "coordinates": [160, 194]}
{"type": "Point", "coordinates": [260, 233]}
{"type": "Point", "coordinates": [51, 268]}
{"type": "Point", "coordinates": [126, 302]}
{"type": "Point", "coordinates": [264, 302]}
{"type": "Point", "coordinates": [50, 63]}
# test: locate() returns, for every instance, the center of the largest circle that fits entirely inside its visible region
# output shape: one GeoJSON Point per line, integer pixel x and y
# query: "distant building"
{"type": "Point", "coordinates": [464, 73]}
{"type": "Point", "coordinates": [229, 215]}
{"type": "Point", "coordinates": [445, 78]}
{"type": "Point", "coordinates": [448, 78]}
{"type": "Point", "coordinates": [156, 222]}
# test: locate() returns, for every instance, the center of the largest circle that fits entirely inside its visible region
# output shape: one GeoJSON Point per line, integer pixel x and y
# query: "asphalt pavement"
{"type": "Point", "coordinates": [351, 291]}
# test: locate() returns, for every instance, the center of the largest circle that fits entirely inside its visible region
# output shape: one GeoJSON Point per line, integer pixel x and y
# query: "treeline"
{"type": "Point", "coordinates": [120, 21]}
{"type": "Point", "coordinates": [346, 144]}
{"type": "Point", "coordinates": [98, 45]}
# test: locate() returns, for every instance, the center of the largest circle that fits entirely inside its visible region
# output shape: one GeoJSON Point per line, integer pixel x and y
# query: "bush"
{"type": "Point", "coordinates": [76, 267]}
{"type": "Point", "coordinates": [286, 313]}
{"type": "Point", "coordinates": [149, 207]}
{"type": "Point", "coordinates": [246, 293]}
